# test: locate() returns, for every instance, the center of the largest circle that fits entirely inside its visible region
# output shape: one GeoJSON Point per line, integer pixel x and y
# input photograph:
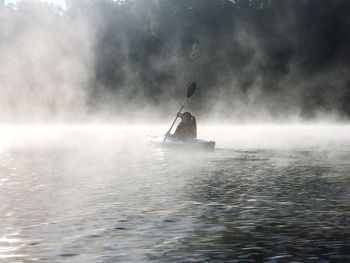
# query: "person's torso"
{"type": "Point", "coordinates": [185, 131]}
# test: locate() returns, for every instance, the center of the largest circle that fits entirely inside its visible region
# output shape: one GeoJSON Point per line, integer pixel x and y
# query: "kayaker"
{"type": "Point", "coordinates": [187, 128]}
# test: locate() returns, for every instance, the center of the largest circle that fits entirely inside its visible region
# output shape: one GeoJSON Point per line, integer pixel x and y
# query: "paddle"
{"type": "Point", "coordinates": [190, 91]}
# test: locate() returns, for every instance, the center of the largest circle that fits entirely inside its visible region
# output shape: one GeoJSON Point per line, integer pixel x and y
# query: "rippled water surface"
{"type": "Point", "coordinates": [102, 194]}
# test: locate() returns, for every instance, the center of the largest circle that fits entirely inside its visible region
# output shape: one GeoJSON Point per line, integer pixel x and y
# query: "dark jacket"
{"type": "Point", "coordinates": [186, 130]}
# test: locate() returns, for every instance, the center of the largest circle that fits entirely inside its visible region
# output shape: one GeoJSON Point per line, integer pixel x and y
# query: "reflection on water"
{"type": "Point", "coordinates": [105, 195]}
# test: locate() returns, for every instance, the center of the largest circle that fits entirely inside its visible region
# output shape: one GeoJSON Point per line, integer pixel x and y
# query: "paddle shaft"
{"type": "Point", "coordinates": [183, 105]}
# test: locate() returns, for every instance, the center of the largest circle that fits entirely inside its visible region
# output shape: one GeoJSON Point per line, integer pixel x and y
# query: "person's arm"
{"type": "Point", "coordinates": [194, 127]}
{"type": "Point", "coordinates": [178, 129]}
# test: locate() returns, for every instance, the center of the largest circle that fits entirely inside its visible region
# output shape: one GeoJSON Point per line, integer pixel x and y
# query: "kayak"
{"type": "Point", "coordinates": [191, 144]}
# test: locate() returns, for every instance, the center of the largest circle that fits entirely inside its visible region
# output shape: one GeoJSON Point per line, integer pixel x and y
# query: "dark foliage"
{"type": "Point", "coordinates": [277, 54]}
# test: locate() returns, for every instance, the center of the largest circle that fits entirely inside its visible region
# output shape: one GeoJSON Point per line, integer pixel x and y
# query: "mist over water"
{"type": "Point", "coordinates": [253, 61]}
{"type": "Point", "coordinates": [82, 87]}
{"type": "Point", "coordinates": [103, 194]}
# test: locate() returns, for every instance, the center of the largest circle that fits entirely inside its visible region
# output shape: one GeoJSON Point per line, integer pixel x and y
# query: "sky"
{"type": "Point", "coordinates": [58, 2]}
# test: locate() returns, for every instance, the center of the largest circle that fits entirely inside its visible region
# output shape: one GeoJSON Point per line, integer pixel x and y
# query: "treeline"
{"type": "Point", "coordinates": [276, 56]}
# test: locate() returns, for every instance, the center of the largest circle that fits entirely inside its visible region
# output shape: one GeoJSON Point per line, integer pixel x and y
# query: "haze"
{"type": "Point", "coordinates": [131, 61]}
{"type": "Point", "coordinates": [85, 86]}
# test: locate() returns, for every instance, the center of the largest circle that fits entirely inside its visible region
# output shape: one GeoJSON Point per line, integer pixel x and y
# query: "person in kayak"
{"type": "Point", "coordinates": [187, 128]}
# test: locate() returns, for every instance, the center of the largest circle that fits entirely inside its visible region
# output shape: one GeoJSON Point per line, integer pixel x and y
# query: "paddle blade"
{"type": "Point", "coordinates": [191, 89]}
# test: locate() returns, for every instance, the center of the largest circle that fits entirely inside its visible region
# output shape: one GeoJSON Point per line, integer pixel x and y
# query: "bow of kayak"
{"type": "Point", "coordinates": [191, 144]}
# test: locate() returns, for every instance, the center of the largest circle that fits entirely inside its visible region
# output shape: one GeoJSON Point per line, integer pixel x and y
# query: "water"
{"type": "Point", "coordinates": [102, 194]}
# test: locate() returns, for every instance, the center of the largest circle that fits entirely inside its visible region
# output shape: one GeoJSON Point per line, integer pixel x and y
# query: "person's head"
{"type": "Point", "coordinates": [186, 117]}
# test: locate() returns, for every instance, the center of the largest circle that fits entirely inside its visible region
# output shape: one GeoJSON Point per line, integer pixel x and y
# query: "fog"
{"type": "Point", "coordinates": [46, 64]}
{"type": "Point", "coordinates": [82, 87]}
{"type": "Point", "coordinates": [133, 138]}
{"type": "Point", "coordinates": [131, 61]}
